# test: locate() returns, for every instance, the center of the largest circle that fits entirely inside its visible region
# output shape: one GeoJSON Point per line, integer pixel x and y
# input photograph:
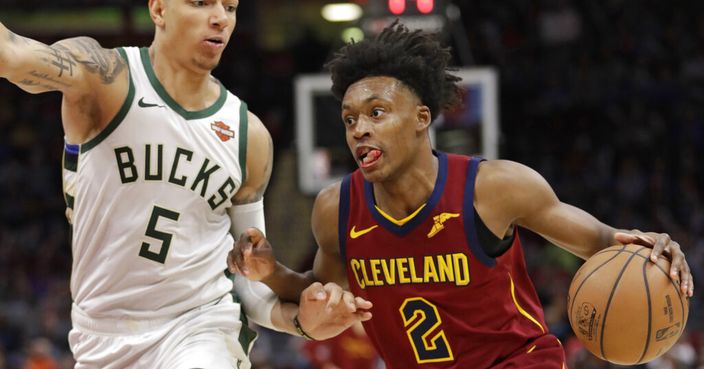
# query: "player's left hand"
{"type": "Point", "coordinates": [326, 311]}
{"type": "Point", "coordinates": [662, 244]}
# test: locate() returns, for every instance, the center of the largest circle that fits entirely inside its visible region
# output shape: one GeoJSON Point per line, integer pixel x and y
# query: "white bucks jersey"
{"type": "Point", "coordinates": [148, 201]}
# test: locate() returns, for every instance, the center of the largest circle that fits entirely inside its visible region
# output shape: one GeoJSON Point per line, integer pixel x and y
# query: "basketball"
{"type": "Point", "coordinates": [624, 308]}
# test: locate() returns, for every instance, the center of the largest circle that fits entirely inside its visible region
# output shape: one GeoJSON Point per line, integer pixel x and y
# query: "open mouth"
{"type": "Point", "coordinates": [215, 41]}
{"type": "Point", "coordinates": [367, 156]}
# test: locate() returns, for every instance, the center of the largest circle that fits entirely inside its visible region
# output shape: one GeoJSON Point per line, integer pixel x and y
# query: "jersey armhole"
{"type": "Point", "coordinates": [470, 230]}
{"type": "Point", "coordinates": [493, 246]}
{"type": "Point", "coordinates": [117, 119]}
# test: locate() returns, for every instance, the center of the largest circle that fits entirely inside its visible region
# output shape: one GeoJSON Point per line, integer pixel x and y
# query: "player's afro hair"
{"type": "Point", "coordinates": [413, 57]}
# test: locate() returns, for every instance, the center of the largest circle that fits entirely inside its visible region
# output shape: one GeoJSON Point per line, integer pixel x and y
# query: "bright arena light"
{"type": "Point", "coordinates": [352, 33]}
{"type": "Point", "coordinates": [343, 12]}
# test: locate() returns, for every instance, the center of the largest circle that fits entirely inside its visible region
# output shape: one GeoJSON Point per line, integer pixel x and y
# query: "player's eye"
{"type": "Point", "coordinates": [349, 120]}
{"type": "Point", "coordinates": [377, 112]}
{"type": "Point", "coordinates": [198, 3]}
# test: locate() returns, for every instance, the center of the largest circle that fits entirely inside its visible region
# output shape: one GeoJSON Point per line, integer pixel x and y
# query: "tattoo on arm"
{"type": "Point", "coordinates": [63, 61]}
{"type": "Point", "coordinates": [29, 82]}
{"type": "Point", "coordinates": [107, 64]}
{"type": "Point", "coordinates": [47, 78]}
{"type": "Point", "coordinates": [33, 83]}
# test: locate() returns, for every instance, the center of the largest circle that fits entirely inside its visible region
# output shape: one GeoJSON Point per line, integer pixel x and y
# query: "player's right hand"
{"type": "Point", "coordinates": [252, 256]}
{"type": "Point", "coordinates": [662, 244]}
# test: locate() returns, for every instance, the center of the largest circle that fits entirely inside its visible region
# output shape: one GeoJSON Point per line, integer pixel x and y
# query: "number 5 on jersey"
{"type": "Point", "coordinates": [152, 232]}
{"type": "Point", "coordinates": [421, 320]}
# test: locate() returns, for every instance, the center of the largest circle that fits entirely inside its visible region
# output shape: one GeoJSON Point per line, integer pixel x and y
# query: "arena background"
{"type": "Point", "coordinates": [604, 98]}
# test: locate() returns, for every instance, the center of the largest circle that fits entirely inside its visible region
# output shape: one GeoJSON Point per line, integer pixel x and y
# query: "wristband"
{"type": "Point", "coordinates": [300, 330]}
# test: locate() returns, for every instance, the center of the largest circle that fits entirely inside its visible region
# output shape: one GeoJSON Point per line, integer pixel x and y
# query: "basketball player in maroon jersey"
{"type": "Point", "coordinates": [432, 239]}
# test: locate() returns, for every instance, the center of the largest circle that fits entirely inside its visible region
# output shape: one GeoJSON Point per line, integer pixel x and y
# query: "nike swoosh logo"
{"type": "Point", "coordinates": [143, 104]}
{"type": "Point", "coordinates": [354, 233]}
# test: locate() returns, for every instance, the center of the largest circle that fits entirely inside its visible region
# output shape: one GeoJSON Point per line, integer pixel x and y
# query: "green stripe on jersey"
{"type": "Point", "coordinates": [120, 114]}
{"type": "Point", "coordinates": [70, 161]}
{"type": "Point", "coordinates": [69, 200]}
{"type": "Point", "coordinates": [159, 88]}
{"type": "Point", "coordinates": [247, 335]}
{"type": "Point", "coordinates": [243, 139]}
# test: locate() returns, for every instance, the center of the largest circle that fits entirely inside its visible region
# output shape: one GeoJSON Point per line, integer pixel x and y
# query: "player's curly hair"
{"type": "Point", "coordinates": [415, 58]}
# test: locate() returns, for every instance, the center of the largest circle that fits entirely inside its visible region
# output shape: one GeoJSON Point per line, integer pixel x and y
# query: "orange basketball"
{"type": "Point", "coordinates": [624, 308]}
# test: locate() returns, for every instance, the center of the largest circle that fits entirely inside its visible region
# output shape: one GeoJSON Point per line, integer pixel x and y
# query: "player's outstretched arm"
{"type": "Point", "coordinates": [509, 193]}
{"type": "Point", "coordinates": [324, 311]}
{"type": "Point", "coordinates": [72, 66]}
{"type": "Point", "coordinates": [253, 256]}
{"type": "Point", "coordinates": [320, 312]}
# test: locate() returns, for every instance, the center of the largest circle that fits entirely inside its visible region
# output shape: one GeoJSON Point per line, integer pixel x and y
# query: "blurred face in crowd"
{"type": "Point", "coordinates": [385, 123]}
{"type": "Point", "coordinates": [194, 32]}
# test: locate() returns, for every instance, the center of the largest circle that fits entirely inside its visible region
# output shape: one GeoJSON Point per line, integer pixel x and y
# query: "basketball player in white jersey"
{"type": "Point", "coordinates": [161, 165]}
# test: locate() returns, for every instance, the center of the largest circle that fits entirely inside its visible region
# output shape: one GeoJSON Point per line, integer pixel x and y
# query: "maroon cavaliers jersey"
{"type": "Point", "coordinates": [439, 300]}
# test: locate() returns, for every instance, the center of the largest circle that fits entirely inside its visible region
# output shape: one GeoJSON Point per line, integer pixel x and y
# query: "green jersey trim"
{"type": "Point", "coordinates": [70, 200]}
{"type": "Point", "coordinates": [161, 91]}
{"type": "Point", "coordinates": [247, 335]}
{"type": "Point", "coordinates": [70, 161]}
{"type": "Point", "coordinates": [120, 114]}
{"type": "Point", "coordinates": [243, 140]}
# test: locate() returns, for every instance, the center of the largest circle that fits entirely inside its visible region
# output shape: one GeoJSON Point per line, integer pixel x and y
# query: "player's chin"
{"type": "Point", "coordinates": [371, 176]}
{"type": "Point", "coordinates": [207, 62]}
{"type": "Point", "coordinates": [371, 173]}
{"type": "Point", "coordinates": [208, 67]}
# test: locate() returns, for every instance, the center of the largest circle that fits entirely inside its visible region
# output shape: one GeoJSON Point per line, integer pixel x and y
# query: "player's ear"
{"type": "Point", "coordinates": [156, 11]}
{"type": "Point", "coordinates": [423, 117]}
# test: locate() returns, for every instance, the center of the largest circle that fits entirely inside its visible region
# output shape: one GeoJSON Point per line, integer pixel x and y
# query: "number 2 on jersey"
{"type": "Point", "coordinates": [152, 232]}
{"type": "Point", "coordinates": [421, 320]}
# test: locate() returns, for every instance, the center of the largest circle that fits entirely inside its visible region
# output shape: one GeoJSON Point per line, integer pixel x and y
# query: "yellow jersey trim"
{"type": "Point", "coordinates": [520, 309]}
{"type": "Point", "coordinates": [402, 221]}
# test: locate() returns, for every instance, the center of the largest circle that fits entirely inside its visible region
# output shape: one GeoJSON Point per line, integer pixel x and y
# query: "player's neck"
{"type": "Point", "coordinates": [404, 194]}
{"type": "Point", "coordinates": [192, 89]}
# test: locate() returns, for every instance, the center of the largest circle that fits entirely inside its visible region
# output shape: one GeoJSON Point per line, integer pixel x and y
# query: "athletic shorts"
{"type": "Point", "coordinates": [545, 352]}
{"type": "Point", "coordinates": [206, 337]}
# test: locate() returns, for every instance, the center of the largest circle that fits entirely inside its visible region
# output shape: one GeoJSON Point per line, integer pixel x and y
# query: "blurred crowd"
{"type": "Point", "coordinates": [605, 99]}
